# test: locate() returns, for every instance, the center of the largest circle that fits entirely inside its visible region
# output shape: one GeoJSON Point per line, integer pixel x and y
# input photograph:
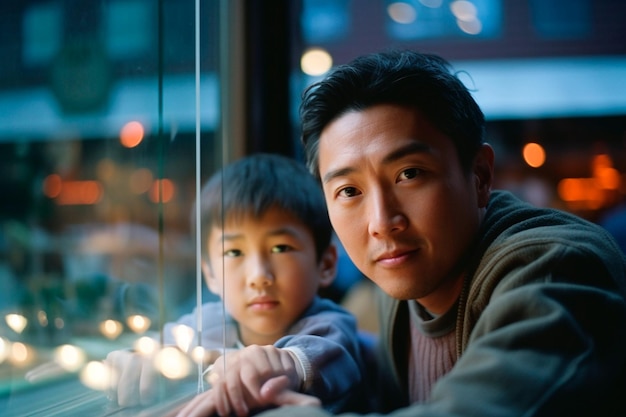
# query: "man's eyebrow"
{"type": "Point", "coordinates": [410, 148]}
{"type": "Point", "coordinates": [337, 173]}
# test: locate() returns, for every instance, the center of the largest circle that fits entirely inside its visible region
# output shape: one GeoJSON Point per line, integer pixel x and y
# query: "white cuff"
{"type": "Point", "coordinates": [303, 366]}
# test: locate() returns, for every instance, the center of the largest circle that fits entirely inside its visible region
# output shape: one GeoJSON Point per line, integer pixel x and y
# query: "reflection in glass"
{"type": "Point", "coordinates": [98, 125]}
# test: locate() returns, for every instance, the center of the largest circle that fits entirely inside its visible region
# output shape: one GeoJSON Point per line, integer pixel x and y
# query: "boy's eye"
{"type": "Point", "coordinates": [280, 248]}
{"type": "Point", "coordinates": [409, 173]}
{"type": "Point", "coordinates": [349, 192]}
{"type": "Point", "coordinates": [233, 253]}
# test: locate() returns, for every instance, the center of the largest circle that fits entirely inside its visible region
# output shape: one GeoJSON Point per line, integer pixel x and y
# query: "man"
{"type": "Point", "coordinates": [491, 307]}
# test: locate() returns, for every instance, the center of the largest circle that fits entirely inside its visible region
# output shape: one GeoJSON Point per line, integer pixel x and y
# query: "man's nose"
{"type": "Point", "coordinates": [385, 214]}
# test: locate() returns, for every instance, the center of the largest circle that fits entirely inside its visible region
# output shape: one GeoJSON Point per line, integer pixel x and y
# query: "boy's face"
{"type": "Point", "coordinates": [399, 201]}
{"type": "Point", "coordinates": [270, 272]}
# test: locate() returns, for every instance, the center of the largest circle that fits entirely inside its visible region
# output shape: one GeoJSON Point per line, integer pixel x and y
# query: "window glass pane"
{"type": "Point", "coordinates": [99, 107]}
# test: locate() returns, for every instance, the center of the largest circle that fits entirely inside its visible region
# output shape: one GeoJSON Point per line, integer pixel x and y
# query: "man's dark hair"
{"type": "Point", "coordinates": [421, 81]}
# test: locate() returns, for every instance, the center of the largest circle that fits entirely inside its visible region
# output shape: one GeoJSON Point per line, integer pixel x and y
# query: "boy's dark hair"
{"type": "Point", "coordinates": [421, 81]}
{"type": "Point", "coordinates": [253, 184]}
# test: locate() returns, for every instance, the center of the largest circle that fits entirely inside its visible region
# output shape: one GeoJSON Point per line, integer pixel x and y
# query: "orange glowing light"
{"type": "Point", "coordinates": [131, 134]}
{"type": "Point", "coordinates": [573, 189]}
{"type": "Point", "coordinates": [601, 161]}
{"type": "Point", "coordinates": [607, 177]}
{"type": "Point", "coordinates": [140, 181]}
{"type": "Point", "coordinates": [80, 193]}
{"type": "Point", "coordinates": [105, 170]}
{"type": "Point", "coordinates": [534, 154]}
{"type": "Point", "coordinates": [164, 186]}
{"type": "Point", "coordinates": [52, 185]}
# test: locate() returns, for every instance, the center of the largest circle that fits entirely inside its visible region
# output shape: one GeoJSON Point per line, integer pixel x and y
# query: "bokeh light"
{"type": "Point", "coordinates": [80, 193]}
{"type": "Point", "coordinates": [16, 322]}
{"type": "Point", "coordinates": [21, 355]}
{"type": "Point", "coordinates": [138, 323]}
{"type": "Point", "coordinates": [466, 15]}
{"type": "Point", "coordinates": [52, 185]}
{"type": "Point", "coordinates": [606, 175]}
{"type": "Point", "coordinates": [172, 363]}
{"type": "Point", "coordinates": [164, 186]}
{"type": "Point", "coordinates": [146, 345]}
{"type": "Point", "coordinates": [5, 349]}
{"type": "Point", "coordinates": [69, 357]}
{"type": "Point", "coordinates": [131, 134]}
{"type": "Point", "coordinates": [534, 154]}
{"type": "Point", "coordinates": [111, 329]}
{"type": "Point", "coordinates": [140, 181]}
{"type": "Point", "coordinates": [316, 61]}
{"type": "Point", "coordinates": [183, 335]}
{"type": "Point", "coordinates": [402, 13]}
{"type": "Point", "coordinates": [98, 375]}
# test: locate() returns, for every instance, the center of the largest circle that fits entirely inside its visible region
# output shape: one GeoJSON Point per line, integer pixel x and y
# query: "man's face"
{"type": "Point", "coordinates": [399, 201]}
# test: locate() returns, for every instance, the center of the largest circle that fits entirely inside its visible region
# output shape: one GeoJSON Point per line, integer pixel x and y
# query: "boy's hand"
{"type": "Point", "coordinates": [237, 380]}
{"type": "Point", "coordinates": [274, 392]}
{"type": "Point", "coordinates": [135, 380]}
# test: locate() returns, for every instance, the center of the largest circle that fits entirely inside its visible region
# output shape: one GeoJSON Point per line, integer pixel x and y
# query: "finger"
{"type": "Point", "coordinates": [202, 405]}
{"type": "Point", "coordinates": [289, 397]}
{"type": "Point", "coordinates": [251, 377]}
{"type": "Point", "coordinates": [148, 382]}
{"type": "Point", "coordinates": [272, 387]}
{"type": "Point", "coordinates": [128, 384]}
{"type": "Point", "coordinates": [266, 363]}
{"type": "Point", "coordinates": [44, 371]}
{"type": "Point", "coordinates": [275, 391]}
{"type": "Point", "coordinates": [238, 406]}
{"type": "Point", "coordinates": [241, 387]}
{"type": "Point", "coordinates": [221, 400]}
{"type": "Point", "coordinates": [114, 363]}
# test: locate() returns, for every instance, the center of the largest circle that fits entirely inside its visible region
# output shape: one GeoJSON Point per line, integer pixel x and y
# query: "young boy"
{"type": "Point", "coordinates": [267, 251]}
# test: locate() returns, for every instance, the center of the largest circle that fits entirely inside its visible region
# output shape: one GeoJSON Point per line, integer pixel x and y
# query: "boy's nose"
{"type": "Point", "coordinates": [260, 274]}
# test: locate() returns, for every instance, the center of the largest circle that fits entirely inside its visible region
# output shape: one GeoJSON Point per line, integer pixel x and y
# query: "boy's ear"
{"type": "Point", "coordinates": [328, 266]}
{"type": "Point", "coordinates": [211, 280]}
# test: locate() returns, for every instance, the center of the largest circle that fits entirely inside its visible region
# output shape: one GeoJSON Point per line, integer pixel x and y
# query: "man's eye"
{"type": "Point", "coordinates": [233, 253]}
{"type": "Point", "coordinates": [280, 248]}
{"type": "Point", "coordinates": [410, 173]}
{"type": "Point", "coordinates": [349, 192]}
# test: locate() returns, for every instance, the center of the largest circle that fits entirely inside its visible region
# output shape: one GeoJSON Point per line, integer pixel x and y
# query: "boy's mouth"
{"type": "Point", "coordinates": [262, 303]}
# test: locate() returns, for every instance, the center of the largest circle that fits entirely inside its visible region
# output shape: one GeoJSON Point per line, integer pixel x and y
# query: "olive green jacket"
{"type": "Point", "coordinates": [541, 327]}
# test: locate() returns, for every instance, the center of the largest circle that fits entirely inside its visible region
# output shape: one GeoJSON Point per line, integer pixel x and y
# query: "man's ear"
{"type": "Point", "coordinates": [483, 173]}
{"type": "Point", "coordinates": [214, 284]}
{"type": "Point", "coordinates": [328, 266]}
